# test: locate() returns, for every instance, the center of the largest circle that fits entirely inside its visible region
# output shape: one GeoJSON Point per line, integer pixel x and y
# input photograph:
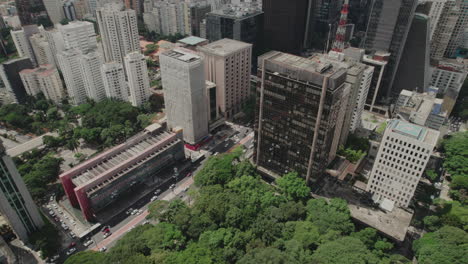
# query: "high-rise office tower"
{"type": "Point", "coordinates": [113, 77]}
{"type": "Point", "coordinates": [285, 24]}
{"type": "Point", "coordinates": [9, 73]}
{"type": "Point", "coordinates": [42, 50]}
{"type": "Point", "coordinates": [54, 10]}
{"type": "Point", "coordinates": [434, 10]}
{"type": "Point", "coordinates": [29, 11]}
{"type": "Point", "coordinates": [78, 35]}
{"type": "Point", "coordinates": [413, 73]}
{"type": "Point", "coordinates": [69, 10]}
{"type": "Point", "coordinates": [91, 71]}
{"type": "Point", "coordinates": [198, 13]}
{"type": "Point", "coordinates": [228, 64]}
{"type": "Point", "coordinates": [69, 61]}
{"type": "Point", "coordinates": [388, 28]}
{"type": "Point", "coordinates": [322, 16]}
{"type": "Point", "coordinates": [119, 31]}
{"type": "Point", "coordinates": [137, 75]}
{"type": "Point", "coordinates": [239, 22]}
{"type": "Point", "coordinates": [400, 162]}
{"type": "Point", "coordinates": [300, 114]}
{"type": "Point", "coordinates": [45, 79]}
{"type": "Point", "coordinates": [169, 18]}
{"type": "Point", "coordinates": [183, 79]}
{"type": "Point", "coordinates": [15, 201]}
{"type": "Point", "coordinates": [443, 30]}
{"type": "Point", "coordinates": [457, 40]}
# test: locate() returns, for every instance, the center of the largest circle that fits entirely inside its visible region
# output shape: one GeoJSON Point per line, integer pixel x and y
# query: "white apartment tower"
{"type": "Point", "coordinates": [42, 49]}
{"type": "Point", "coordinates": [137, 75]}
{"type": "Point", "coordinates": [228, 65]}
{"type": "Point", "coordinates": [22, 44]}
{"type": "Point", "coordinates": [361, 98]}
{"type": "Point", "coordinates": [78, 35]}
{"type": "Point", "coordinates": [400, 162]}
{"type": "Point", "coordinates": [113, 77]}
{"type": "Point", "coordinates": [56, 43]}
{"type": "Point", "coordinates": [183, 79]}
{"type": "Point", "coordinates": [45, 79]}
{"type": "Point", "coordinates": [119, 31]}
{"type": "Point", "coordinates": [91, 71]}
{"type": "Point", "coordinates": [168, 18]}
{"type": "Point", "coordinates": [70, 65]}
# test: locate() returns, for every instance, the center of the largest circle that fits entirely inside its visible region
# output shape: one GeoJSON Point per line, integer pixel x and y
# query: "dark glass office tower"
{"type": "Point", "coordinates": [388, 28]}
{"type": "Point", "coordinates": [285, 24]}
{"type": "Point", "coordinates": [299, 114]}
{"type": "Point", "coordinates": [29, 11]}
{"type": "Point", "coordinates": [16, 203]}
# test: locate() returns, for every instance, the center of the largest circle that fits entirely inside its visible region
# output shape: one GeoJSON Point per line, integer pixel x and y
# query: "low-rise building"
{"type": "Point", "coordinates": [96, 183]}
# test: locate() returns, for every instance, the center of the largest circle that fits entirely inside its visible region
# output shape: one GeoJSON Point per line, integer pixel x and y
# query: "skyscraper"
{"type": "Point", "coordinates": [69, 61]}
{"type": "Point", "coordinates": [91, 71]}
{"type": "Point", "coordinates": [42, 50]}
{"type": "Point", "coordinates": [113, 77]}
{"type": "Point", "coordinates": [29, 11]}
{"type": "Point", "coordinates": [15, 201]}
{"type": "Point", "coordinates": [183, 79]}
{"type": "Point", "coordinates": [285, 24]}
{"type": "Point", "coordinates": [388, 28]}
{"type": "Point", "coordinates": [457, 39]}
{"type": "Point", "coordinates": [228, 64]}
{"type": "Point", "coordinates": [54, 10]}
{"type": "Point", "coordinates": [400, 162]}
{"type": "Point", "coordinates": [21, 39]}
{"type": "Point", "coordinates": [413, 73]}
{"type": "Point", "coordinates": [137, 75]}
{"type": "Point", "coordinates": [119, 31]}
{"type": "Point", "coordinates": [443, 30]}
{"type": "Point", "coordinates": [78, 35]}
{"type": "Point", "coordinates": [300, 114]}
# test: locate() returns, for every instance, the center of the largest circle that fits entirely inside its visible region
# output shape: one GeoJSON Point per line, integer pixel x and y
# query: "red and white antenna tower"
{"type": "Point", "coordinates": [339, 43]}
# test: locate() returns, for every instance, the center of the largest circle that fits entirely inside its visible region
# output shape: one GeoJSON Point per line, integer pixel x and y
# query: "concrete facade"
{"type": "Point", "coordinates": [400, 162]}
{"type": "Point", "coordinates": [113, 77]}
{"type": "Point", "coordinates": [137, 75]}
{"type": "Point", "coordinates": [183, 80]}
{"type": "Point", "coordinates": [228, 64]}
{"type": "Point", "coordinates": [45, 79]}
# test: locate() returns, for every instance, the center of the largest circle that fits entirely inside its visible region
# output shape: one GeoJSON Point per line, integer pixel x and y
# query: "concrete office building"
{"type": "Point", "coordinates": [183, 80]}
{"type": "Point", "coordinates": [387, 30]}
{"type": "Point", "coordinates": [169, 18]}
{"type": "Point", "coordinates": [70, 65]}
{"type": "Point", "coordinates": [457, 39]}
{"type": "Point", "coordinates": [9, 73]}
{"type": "Point", "coordinates": [78, 35]}
{"type": "Point", "coordinates": [228, 64]}
{"type": "Point", "coordinates": [413, 72]}
{"type": "Point", "coordinates": [285, 24]}
{"type": "Point", "coordinates": [448, 75]}
{"type": "Point", "coordinates": [137, 75]}
{"type": "Point", "coordinates": [91, 71]}
{"type": "Point", "coordinates": [54, 10]}
{"type": "Point", "coordinates": [434, 10]}
{"type": "Point", "coordinates": [238, 22]}
{"type": "Point", "coordinates": [45, 79]}
{"type": "Point", "coordinates": [119, 31]}
{"type": "Point", "coordinates": [300, 114]}
{"type": "Point", "coordinates": [423, 109]}
{"type": "Point", "coordinates": [41, 49]}
{"type": "Point", "coordinates": [400, 162]}
{"type": "Point", "coordinates": [16, 203]}
{"type": "Point", "coordinates": [98, 182]}
{"type": "Point", "coordinates": [113, 77]}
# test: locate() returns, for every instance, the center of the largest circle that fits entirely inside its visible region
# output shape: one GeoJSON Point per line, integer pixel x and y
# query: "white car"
{"type": "Point", "coordinates": [102, 249]}
{"type": "Point", "coordinates": [139, 212]}
{"type": "Point", "coordinates": [64, 226]}
{"type": "Point", "coordinates": [106, 235]}
{"type": "Point", "coordinates": [51, 213]}
{"type": "Point", "coordinates": [154, 198]}
{"type": "Point", "coordinates": [71, 251]}
{"type": "Point", "coordinates": [87, 243]}
{"type": "Point", "coordinates": [54, 258]}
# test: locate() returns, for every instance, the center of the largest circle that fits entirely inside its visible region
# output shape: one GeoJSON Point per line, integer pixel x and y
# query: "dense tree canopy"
{"type": "Point", "coordinates": [237, 218]}
{"type": "Point", "coordinates": [456, 159]}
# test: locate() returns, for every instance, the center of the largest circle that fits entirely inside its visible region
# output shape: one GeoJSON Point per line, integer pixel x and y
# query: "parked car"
{"type": "Point", "coordinates": [102, 249]}
{"type": "Point", "coordinates": [54, 258]}
{"type": "Point", "coordinates": [71, 251]}
{"type": "Point", "coordinates": [72, 235]}
{"type": "Point", "coordinates": [139, 212]}
{"type": "Point", "coordinates": [51, 213]}
{"type": "Point", "coordinates": [158, 191]}
{"type": "Point", "coordinates": [146, 222]}
{"type": "Point", "coordinates": [154, 198]}
{"type": "Point", "coordinates": [106, 235]}
{"type": "Point", "coordinates": [87, 243]}
{"type": "Point", "coordinates": [72, 245]}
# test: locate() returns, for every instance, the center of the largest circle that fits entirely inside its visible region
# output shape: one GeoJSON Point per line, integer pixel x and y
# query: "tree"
{"type": "Point", "coordinates": [432, 222]}
{"type": "Point", "coordinates": [217, 170]}
{"type": "Point", "coordinates": [293, 187]}
{"type": "Point", "coordinates": [447, 245]}
{"type": "Point", "coordinates": [330, 216]}
{"type": "Point", "coordinates": [343, 250]}
{"type": "Point", "coordinates": [265, 255]}
{"type": "Point", "coordinates": [194, 254]}
{"type": "Point", "coordinates": [86, 257]}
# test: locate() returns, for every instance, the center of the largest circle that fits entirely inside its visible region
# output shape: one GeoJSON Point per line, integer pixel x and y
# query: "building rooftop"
{"type": "Point", "coordinates": [224, 47]}
{"type": "Point", "coordinates": [192, 40]}
{"type": "Point", "coordinates": [420, 133]}
{"type": "Point", "coordinates": [121, 159]}
{"type": "Point", "coordinates": [182, 54]}
{"type": "Point", "coordinates": [238, 11]}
